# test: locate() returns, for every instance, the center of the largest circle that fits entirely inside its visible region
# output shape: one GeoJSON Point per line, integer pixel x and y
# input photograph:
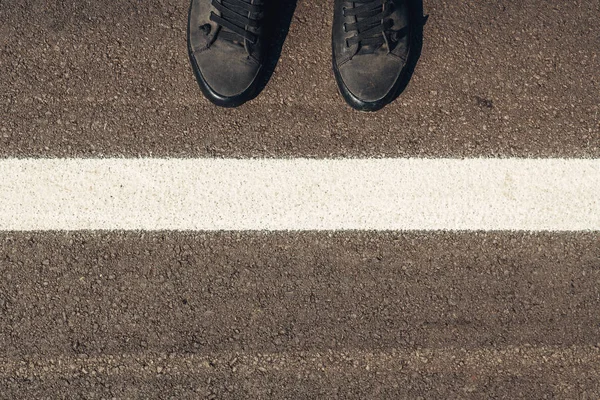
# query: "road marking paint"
{"type": "Point", "coordinates": [300, 194]}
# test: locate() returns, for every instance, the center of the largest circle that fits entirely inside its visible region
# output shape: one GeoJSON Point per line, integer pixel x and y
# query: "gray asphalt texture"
{"type": "Point", "coordinates": [496, 78]}
{"type": "Point", "coordinates": [348, 315]}
{"type": "Point", "coordinates": [304, 315]}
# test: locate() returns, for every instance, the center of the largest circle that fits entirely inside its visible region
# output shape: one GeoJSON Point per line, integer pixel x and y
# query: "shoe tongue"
{"type": "Point", "coordinates": [235, 45]}
{"type": "Point", "coordinates": [231, 37]}
{"type": "Point", "coordinates": [368, 49]}
{"type": "Point", "coordinates": [371, 48]}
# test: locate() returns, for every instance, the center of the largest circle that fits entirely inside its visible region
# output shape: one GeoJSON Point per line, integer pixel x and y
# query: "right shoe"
{"type": "Point", "coordinates": [371, 42]}
{"type": "Point", "coordinates": [227, 46]}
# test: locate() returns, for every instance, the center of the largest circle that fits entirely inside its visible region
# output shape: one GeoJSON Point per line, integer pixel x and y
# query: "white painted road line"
{"type": "Point", "coordinates": [300, 194]}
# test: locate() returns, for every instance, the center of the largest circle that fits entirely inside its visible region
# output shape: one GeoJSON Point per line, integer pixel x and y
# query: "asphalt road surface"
{"type": "Point", "coordinates": [299, 315]}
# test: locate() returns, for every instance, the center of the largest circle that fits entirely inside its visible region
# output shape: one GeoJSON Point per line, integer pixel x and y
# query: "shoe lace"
{"type": "Point", "coordinates": [235, 19]}
{"type": "Point", "coordinates": [372, 23]}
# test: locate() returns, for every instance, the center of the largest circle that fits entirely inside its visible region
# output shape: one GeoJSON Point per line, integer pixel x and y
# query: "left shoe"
{"type": "Point", "coordinates": [371, 45]}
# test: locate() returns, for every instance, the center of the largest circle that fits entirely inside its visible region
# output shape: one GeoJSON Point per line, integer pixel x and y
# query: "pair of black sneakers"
{"type": "Point", "coordinates": [228, 41]}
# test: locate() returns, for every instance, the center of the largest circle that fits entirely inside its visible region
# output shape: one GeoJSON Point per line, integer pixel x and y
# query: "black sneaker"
{"type": "Point", "coordinates": [226, 44]}
{"type": "Point", "coordinates": [371, 42]}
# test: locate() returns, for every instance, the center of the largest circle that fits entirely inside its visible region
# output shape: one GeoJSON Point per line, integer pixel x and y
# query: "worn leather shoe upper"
{"type": "Point", "coordinates": [226, 44]}
{"type": "Point", "coordinates": [371, 41]}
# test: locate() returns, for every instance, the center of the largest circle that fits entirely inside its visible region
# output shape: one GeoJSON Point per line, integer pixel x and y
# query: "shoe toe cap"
{"type": "Point", "coordinates": [227, 73]}
{"type": "Point", "coordinates": [371, 77]}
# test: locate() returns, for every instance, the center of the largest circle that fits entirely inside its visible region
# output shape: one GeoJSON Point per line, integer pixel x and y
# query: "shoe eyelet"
{"type": "Point", "coordinates": [345, 27]}
{"type": "Point", "coordinates": [206, 28]}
